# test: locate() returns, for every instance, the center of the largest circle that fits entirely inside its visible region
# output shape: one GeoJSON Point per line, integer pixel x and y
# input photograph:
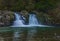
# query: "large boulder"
{"type": "Point", "coordinates": [25, 14]}
{"type": "Point", "coordinates": [6, 17]}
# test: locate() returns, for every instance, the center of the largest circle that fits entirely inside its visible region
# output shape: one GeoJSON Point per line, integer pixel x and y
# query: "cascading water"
{"type": "Point", "coordinates": [20, 23]}
{"type": "Point", "coordinates": [18, 20]}
{"type": "Point", "coordinates": [33, 20]}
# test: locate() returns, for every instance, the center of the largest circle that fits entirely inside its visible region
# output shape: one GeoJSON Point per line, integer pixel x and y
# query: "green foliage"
{"type": "Point", "coordinates": [45, 4]}
{"type": "Point", "coordinates": [27, 4]}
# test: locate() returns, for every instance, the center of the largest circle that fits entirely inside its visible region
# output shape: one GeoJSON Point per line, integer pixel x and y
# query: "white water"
{"type": "Point", "coordinates": [33, 20]}
{"type": "Point", "coordinates": [18, 21]}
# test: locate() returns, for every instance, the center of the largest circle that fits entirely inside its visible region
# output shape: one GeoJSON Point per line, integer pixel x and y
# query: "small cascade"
{"type": "Point", "coordinates": [18, 20]}
{"type": "Point", "coordinates": [33, 20]}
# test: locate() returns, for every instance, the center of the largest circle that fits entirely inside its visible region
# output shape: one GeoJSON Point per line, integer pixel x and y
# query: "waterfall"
{"type": "Point", "coordinates": [33, 20]}
{"type": "Point", "coordinates": [18, 20]}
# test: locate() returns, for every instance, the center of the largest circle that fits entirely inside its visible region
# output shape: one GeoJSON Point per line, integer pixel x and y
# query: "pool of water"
{"type": "Point", "coordinates": [29, 33]}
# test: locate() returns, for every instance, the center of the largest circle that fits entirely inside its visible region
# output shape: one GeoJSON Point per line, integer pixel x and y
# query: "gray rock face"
{"type": "Point", "coordinates": [6, 17]}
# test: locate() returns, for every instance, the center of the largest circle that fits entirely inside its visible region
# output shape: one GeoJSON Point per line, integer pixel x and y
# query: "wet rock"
{"type": "Point", "coordinates": [25, 14]}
